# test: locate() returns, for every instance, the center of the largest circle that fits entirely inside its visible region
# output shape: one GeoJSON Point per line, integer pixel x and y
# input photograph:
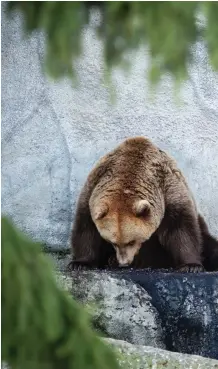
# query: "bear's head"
{"type": "Point", "coordinates": [125, 224]}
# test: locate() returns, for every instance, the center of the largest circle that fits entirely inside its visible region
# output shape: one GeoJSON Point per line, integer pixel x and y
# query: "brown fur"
{"type": "Point", "coordinates": [210, 247]}
{"type": "Point", "coordinates": [138, 200]}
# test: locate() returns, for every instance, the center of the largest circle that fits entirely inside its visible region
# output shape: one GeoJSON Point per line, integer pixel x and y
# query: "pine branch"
{"type": "Point", "coordinates": [42, 326]}
{"type": "Point", "coordinates": [168, 29]}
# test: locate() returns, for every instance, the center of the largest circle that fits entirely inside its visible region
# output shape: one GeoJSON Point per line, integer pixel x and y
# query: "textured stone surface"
{"type": "Point", "coordinates": [167, 310]}
{"type": "Point", "coordinates": [146, 357]}
{"type": "Point", "coordinates": [52, 134]}
{"type": "Point", "coordinates": [120, 308]}
{"type": "Point", "coordinates": [142, 357]}
{"type": "Point", "coordinates": [187, 306]}
{"type": "Point", "coordinates": [64, 281]}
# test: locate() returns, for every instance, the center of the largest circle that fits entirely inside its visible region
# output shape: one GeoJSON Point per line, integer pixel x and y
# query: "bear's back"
{"type": "Point", "coordinates": [136, 167]}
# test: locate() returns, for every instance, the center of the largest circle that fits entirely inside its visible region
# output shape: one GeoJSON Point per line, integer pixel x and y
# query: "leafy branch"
{"type": "Point", "coordinates": [167, 28]}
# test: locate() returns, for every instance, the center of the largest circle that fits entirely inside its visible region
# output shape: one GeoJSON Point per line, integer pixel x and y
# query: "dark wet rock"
{"type": "Point", "coordinates": [170, 310]}
{"type": "Point", "coordinates": [188, 308]}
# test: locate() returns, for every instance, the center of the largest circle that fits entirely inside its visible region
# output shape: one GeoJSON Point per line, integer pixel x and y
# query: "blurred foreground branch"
{"type": "Point", "coordinates": [42, 326]}
{"type": "Point", "coordinates": [168, 28]}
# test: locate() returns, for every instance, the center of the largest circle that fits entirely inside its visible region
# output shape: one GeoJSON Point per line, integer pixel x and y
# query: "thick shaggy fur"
{"type": "Point", "coordinates": [138, 200]}
{"type": "Point", "coordinates": [210, 247]}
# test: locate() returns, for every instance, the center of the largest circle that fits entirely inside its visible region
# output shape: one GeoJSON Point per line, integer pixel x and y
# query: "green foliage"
{"type": "Point", "coordinates": [168, 28]}
{"type": "Point", "coordinates": [42, 326]}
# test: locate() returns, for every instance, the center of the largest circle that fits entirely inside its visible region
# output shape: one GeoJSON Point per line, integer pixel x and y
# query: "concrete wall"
{"type": "Point", "coordinates": [52, 134]}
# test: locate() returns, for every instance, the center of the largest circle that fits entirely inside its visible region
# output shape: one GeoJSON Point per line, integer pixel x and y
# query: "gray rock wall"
{"type": "Point", "coordinates": [52, 134]}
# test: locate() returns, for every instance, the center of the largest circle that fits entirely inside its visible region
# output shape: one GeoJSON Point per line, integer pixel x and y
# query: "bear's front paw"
{"type": "Point", "coordinates": [191, 268]}
{"type": "Point", "coordinates": [76, 265]}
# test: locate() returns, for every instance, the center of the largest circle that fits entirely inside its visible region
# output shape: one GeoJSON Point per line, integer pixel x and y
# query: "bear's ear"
{"type": "Point", "coordinates": [142, 208]}
{"type": "Point", "coordinates": [100, 211]}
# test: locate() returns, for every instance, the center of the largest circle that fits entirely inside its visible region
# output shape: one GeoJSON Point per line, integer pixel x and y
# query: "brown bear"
{"type": "Point", "coordinates": [136, 210]}
{"type": "Point", "coordinates": [210, 247]}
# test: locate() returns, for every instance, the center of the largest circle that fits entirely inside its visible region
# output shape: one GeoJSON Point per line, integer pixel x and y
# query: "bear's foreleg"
{"type": "Point", "coordinates": [179, 233]}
